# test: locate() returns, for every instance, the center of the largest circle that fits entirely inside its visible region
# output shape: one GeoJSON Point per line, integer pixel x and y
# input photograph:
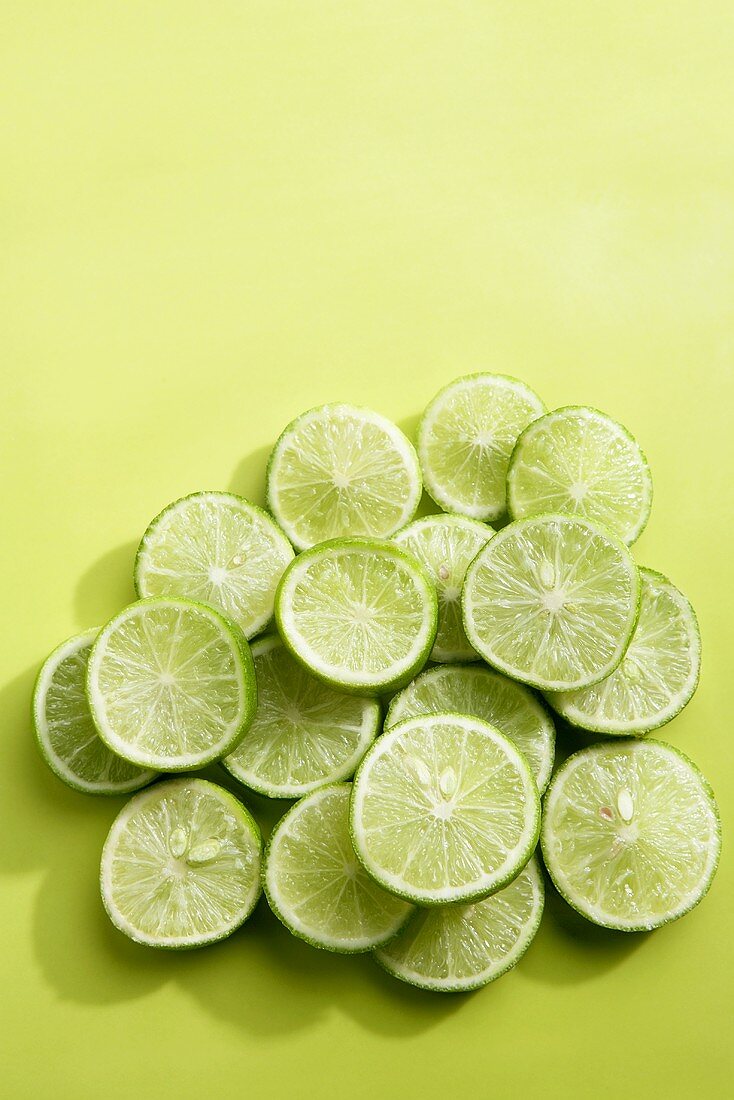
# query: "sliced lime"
{"type": "Point", "coordinates": [219, 549]}
{"type": "Point", "coordinates": [444, 809]}
{"type": "Point", "coordinates": [339, 470]}
{"type": "Point", "coordinates": [446, 545]}
{"type": "Point", "coordinates": [465, 440]}
{"type": "Point", "coordinates": [455, 948]}
{"type": "Point", "coordinates": [181, 865]}
{"type": "Point", "coordinates": [657, 676]}
{"type": "Point", "coordinates": [316, 885]}
{"type": "Point", "coordinates": [579, 460]}
{"type": "Point", "coordinates": [553, 601]}
{"type": "Point", "coordinates": [631, 834]}
{"type": "Point", "coordinates": [486, 694]}
{"type": "Point", "coordinates": [358, 613]}
{"type": "Point", "coordinates": [305, 734]}
{"type": "Point", "coordinates": [171, 684]}
{"type": "Point", "coordinates": [65, 732]}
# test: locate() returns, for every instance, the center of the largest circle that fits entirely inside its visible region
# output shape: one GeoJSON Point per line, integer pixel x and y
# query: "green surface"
{"type": "Point", "coordinates": [216, 217]}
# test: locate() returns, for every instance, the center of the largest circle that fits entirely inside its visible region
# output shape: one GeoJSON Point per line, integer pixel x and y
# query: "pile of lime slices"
{"type": "Point", "coordinates": [396, 677]}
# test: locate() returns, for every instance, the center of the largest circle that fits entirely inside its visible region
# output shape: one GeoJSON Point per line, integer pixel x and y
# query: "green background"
{"type": "Point", "coordinates": [217, 214]}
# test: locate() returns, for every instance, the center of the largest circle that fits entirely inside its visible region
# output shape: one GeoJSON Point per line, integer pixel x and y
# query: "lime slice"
{"type": "Point", "coordinates": [305, 734]}
{"type": "Point", "coordinates": [455, 948]}
{"type": "Point", "coordinates": [340, 470]}
{"type": "Point", "coordinates": [444, 809]}
{"type": "Point", "coordinates": [171, 684]}
{"type": "Point", "coordinates": [359, 614]}
{"type": "Point", "coordinates": [486, 694]}
{"type": "Point", "coordinates": [181, 865]}
{"type": "Point", "coordinates": [631, 834]}
{"type": "Point", "coordinates": [465, 440]}
{"type": "Point", "coordinates": [657, 676]}
{"type": "Point", "coordinates": [65, 732]}
{"type": "Point", "coordinates": [219, 549]}
{"type": "Point", "coordinates": [580, 461]}
{"type": "Point", "coordinates": [316, 885]}
{"type": "Point", "coordinates": [553, 601]}
{"type": "Point", "coordinates": [446, 545]}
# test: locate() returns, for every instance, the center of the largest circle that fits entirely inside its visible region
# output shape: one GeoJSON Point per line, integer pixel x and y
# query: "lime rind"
{"type": "Point", "coordinates": [423, 795]}
{"type": "Point", "coordinates": [322, 503]}
{"type": "Point", "coordinates": [176, 847]}
{"type": "Point", "coordinates": [346, 634]}
{"type": "Point", "coordinates": [299, 721]}
{"type": "Point", "coordinates": [599, 708]}
{"type": "Point", "coordinates": [484, 939]}
{"type": "Point", "coordinates": [211, 564]}
{"type": "Point", "coordinates": [115, 776]}
{"type": "Point", "coordinates": [359, 915]}
{"type": "Point", "coordinates": [240, 671]}
{"type": "Point", "coordinates": [566, 483]}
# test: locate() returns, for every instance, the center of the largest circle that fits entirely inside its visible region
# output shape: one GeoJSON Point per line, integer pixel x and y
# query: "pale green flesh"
{"type": "Point", "coordinates": [446, 546]}
{"type": "Point", "coordinates": [304, 734]}
{"type": "Point", "coordinates": [181, 866]}
{"type": "Point", "coordinates": [552, 601]}
{"type": "Point", "coordinates": [460, 947]}
{"type": "Point", "coordinates": [66, 732]}
{"type": "Point", "coordinates": [658, 673]}
{"type": "Point", "coordinates": [485, 694]}
{"type": "Point", "coordinates": [445, 809]}
{"type": "Point", "coordinates": [466, 438]}
{"type": "Point", "coordinates": [579, 461]}
{"type": "Point", "coordinates": [219, 549]}
{"type": "Point", "coordinates": [316, 884]}
{"type": "Point", "coordinates": [340, 470]}
{"type": "Point", "coordinates": [168, 684]}
{"type": "Point", "coordinates": [631, 834]}
{"type": "Point", "coordinates": [359, 614]}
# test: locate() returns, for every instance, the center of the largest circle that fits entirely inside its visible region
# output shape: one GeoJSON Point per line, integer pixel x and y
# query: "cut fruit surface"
{"type": "Point", "coordinates": [316, 885]}
{"type": "Point", "coordinates": [580, 461]}
{"type": "Point", "coordinates": [486, 694]}
{"type": "Point", "coordinates": [444, 809]}
{"type": "Point", "coordinates": [658, 673]}
{"type": "Point", "coordinates": [65, 731]}
{"type": "Point", "coordinates": [181, 865]}
{"type": "Point", "coordinates": [446, 546]}
{"type": "Point", "coordinates": [552, 601]}
{"type": "Point", "coordinates": [304, 734]}
{"type": "Point", "coordinates": [466, 437]}
{"type": "Point", "coordinates": [631, 834]}
{"type": "Point", "coordinates": [339, 470]}
{"type": "Point", "coordinates": [219, 549]}
{"type": "Point", "coordinates": [171, 684]}
{"type": "Point", "coordinates": [455, 948]}
{"type": "Point", "coordinates": [358, 613]}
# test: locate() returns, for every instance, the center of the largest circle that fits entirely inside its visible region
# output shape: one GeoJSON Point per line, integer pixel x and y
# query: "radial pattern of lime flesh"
{"type": "Point", "coordinates": [466, 439]}
{"type": "Point", "coordinates": [317, 885]}
{"type": "Point", "coordinates": [446, 546]}
{"type": "Point", "coordinates": [343, 471]}
{"type": "Point", "coordinates": [485, 694]}
{"type": "Point", "coordinates": [445, 808]}
{"type": "Point", "coordinates": [219, 549]}
{"type": "Point", "coordinates": [630, 834]}
{"type": "Point", "coordinates": [358, 612]}
{"type": "Point", "coordinates": [580, 461]}
{"type": "Point", "coordinates": [184, 865]}
{"type": "Point", "coordinates": [460, 946]}
{"type": "Point", "coordinates": [304, 734]}
{"type": "Point", "coordinates": [169, 683]}
{"type": "Point", "coordinates": [552, 600]}
{"type": "Point", "coordinates": [658, 673]}
{"type": "Point", "coordinates": [67, 731]}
